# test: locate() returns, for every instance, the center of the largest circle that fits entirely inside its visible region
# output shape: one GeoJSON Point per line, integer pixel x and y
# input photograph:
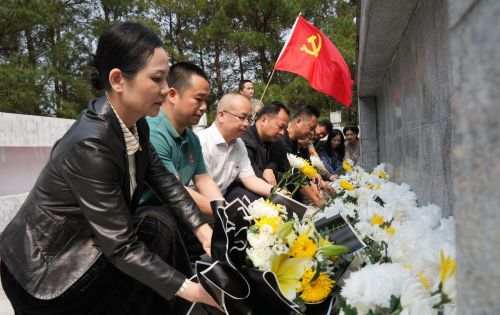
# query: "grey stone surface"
{"type": "Point", "coordinates": [369, 140]}
{"type": "Point", "coordinates": [475, 51]}
{"type": "Point", "coordinates": [31, 131]}
{"type": "Point", "coordinates": [9, 206]}
{"type": "Point", "coordinates": [382, 24]}
{"type": "Point", "coordinates": [413, 101]}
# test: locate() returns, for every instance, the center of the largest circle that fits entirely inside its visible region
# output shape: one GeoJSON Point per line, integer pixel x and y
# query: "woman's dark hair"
{"type": "Point", "coordinates": [352, 128]}
{"type": "Point", "coordinates": [341, 148]}
{"type": "Point", "coordinates": [125, 46]}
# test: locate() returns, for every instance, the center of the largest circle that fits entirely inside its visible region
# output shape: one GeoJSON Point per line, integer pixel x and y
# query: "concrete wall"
{"type": "Point", "coordinates": [25, 143]}
{"type": "Point", "coordinates": [475, 50]}
{"type": "Point", "coordinates": [412, 102]}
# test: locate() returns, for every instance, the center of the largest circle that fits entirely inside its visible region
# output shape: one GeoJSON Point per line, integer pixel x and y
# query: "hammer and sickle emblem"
{"type": "Point", "coordinates": [315, 49]}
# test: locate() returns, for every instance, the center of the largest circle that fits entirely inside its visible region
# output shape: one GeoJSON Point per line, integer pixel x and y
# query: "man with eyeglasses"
{"type": "Point", "coordinates": [270, 126]}
{"type": "Point", "coordinates": [225, 154]}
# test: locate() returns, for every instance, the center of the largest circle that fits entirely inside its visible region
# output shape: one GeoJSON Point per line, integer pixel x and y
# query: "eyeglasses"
{"type": "Point", "coordinates": [242, 119]}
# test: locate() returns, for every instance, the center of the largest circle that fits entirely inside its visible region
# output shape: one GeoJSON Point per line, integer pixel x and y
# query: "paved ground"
{"type": "Point", "coordinates": [5, 308]}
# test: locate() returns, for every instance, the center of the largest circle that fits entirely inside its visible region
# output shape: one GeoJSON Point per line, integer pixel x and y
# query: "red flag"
{"type": "Point", "coordinates": [309, 53]}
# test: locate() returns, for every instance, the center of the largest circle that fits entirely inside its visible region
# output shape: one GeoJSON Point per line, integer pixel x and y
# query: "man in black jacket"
{"type": "Point", "coordinates": [301, 127]}
{"type": "Point", "coordinates": [269, 127]}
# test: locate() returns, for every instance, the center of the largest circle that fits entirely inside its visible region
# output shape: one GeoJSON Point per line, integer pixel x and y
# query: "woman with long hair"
{"type": "Point", "coordinates": [332, 153]}
{"type": "Point", "coordinates": [80, 244]}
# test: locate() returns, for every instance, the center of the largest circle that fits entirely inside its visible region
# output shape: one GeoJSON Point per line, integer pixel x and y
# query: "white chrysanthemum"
{"type": "Point", "coordinates": [417, 247]}
{"type": "Point", "coordinates": [447, 227]}
{"type": "Point", "coordinates": [450, 288]}
{"type": "Point", "coordinates": [415, 300]}
{"type": "Point", "coordinates": [280, 247]}
{"type": "Point", "coordinates": [397, 197]}
{"type": "Point", "coordinates": [366, 213]}
{"type": "Point", "coordinates": [260, 257]}
{"type": "Point", "coordinates": [261, 239]}
{"type": "Point", "coordinates": [295, 161]}
{"type": "Point", "coordinates": [259, 209]}
{"type": "Point", "coordinates": [317, 163]}
{"type": "Point", "coordinates": [429, 216]}
{"type": "Point", "coordinates": [373, 286]}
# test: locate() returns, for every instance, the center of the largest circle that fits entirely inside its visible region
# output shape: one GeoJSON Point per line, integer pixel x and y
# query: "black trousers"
{"type": "Point", "coordinates": [104, 289]}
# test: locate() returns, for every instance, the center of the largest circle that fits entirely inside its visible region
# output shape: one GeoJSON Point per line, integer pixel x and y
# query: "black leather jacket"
{"type": "Point", "coordinates": [80, 208]}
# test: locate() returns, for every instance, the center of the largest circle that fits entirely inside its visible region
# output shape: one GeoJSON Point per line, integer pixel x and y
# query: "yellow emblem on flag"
{"type": "Point", "coordinates": [315, 48]}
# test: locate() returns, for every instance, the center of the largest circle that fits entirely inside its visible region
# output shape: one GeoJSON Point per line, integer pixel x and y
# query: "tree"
{"type": "Point", "coordinates": [46, 46]}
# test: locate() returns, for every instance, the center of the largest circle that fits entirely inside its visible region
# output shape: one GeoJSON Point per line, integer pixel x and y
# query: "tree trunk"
{"type": "Point", "coordinates": [217, 66]}
{"type": "Point", "coordinates": [263, 63]}
{"type": "Point", "coordinates": [240, 59]}
{"type": "Point", "coordinates": [31, 49]}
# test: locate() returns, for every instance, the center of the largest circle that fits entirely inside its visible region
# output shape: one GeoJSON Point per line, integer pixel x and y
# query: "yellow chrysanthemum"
{"type": "Point", "coordinates": [424, 281]}
{"type": "Point", "coordinates": [390, 230]}
{"type": "Point", "coordinates": [382, 174]}
{"type": "Point", "coordinates": [377, 219]}
{"type": "Point", "coordinates": [346, 166]}
{"type": "Point", "coordinates": [303, 247]}
{"type": "Point", "coordinates": [345, 184]}
{"type": "Point", "coordinates": [377, 187]}
{"type": "Point", "coordinates": [308, 170]}
{"type": "Point", "coordinates": [272, 222]}
{"type": "Point", "coordinates": [448, 267]}
{"type": "Point", "coordinates": [369, 186]}
{"type": "Point", "coordinates": [316, 290]}
{"type": "Point", "coordinates": [277, 207]}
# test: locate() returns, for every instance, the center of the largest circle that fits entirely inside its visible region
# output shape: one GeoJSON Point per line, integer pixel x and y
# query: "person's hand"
{"type": "Point", "coordinates": [203, 233]}
{"type": "Point", "coordinates": [268, 176]}
{"type": "Point", "coordinates": [194, 292]}
{"type": "Point", "coordinates": [327, 188]}
{"type": "Point", "coordinates": [333, 177]}
{"type": "Point", "coordinates": [284, 192]}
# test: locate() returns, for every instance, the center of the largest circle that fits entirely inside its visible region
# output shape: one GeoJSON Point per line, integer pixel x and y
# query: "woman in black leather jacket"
{"type": "Point", "coordinates": [79, 244]}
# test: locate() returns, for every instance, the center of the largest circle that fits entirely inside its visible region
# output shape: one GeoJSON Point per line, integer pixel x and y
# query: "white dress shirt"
{"type": "Point", "coordinates": [225, 162]}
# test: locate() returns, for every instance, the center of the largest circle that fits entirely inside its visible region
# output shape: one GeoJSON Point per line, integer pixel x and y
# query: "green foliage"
{"type": "Point", "coordinates": [377, 252]}
{"type": "Point", "coordinates": [348, 309]}
{"type": "Point", "coordinates": [46, 46]}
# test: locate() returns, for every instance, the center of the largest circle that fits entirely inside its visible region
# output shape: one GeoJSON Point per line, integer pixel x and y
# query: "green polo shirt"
{"type": "Point", "coordinates": [181, 155]}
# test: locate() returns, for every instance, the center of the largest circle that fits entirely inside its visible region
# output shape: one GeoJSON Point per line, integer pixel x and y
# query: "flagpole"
{"type": "Point", "coordinates": [282, 50]}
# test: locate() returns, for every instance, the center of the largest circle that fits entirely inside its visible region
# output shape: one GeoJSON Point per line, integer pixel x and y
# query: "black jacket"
{"type": "Point", "coordinates": [278, 153]}
{"type": "Point", "coordinates": [80, 208]}
{"type": "Point", "coordinates": [257, 151]}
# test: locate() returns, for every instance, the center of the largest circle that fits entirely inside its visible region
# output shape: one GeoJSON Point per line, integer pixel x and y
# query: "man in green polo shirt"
{"type": "Point", "coordinates": [176, 144]}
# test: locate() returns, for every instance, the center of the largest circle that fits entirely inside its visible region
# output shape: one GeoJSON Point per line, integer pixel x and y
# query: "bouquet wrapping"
{"type": "Point", "coordinates": [269, 258]}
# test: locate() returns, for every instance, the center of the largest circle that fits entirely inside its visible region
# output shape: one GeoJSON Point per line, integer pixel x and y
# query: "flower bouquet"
{"type": "Point", "coordinates": [271, 259]}
{"type": "Point", "coordinates": [408, 265]}
{"type": "Point", "coordinates": [300, 174]}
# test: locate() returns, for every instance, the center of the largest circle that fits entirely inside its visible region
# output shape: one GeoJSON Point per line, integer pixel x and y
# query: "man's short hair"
{"type": "Point", "coordinates": [179, 76]}
{"type": "Point", "coordinates": [351, 127]}
{"type": "Point", "coordinates": [241, 85]}
{"type": "Point", "coordinates": [306, 111]}
{"type": "Point", "coordinates": [273, 108]}
{"type": "Point", "coordinates": [327, 124]}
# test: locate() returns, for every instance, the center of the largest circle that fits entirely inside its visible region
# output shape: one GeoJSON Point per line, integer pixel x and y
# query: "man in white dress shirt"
{"type": "Point", "coordinates": [225, 153]}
